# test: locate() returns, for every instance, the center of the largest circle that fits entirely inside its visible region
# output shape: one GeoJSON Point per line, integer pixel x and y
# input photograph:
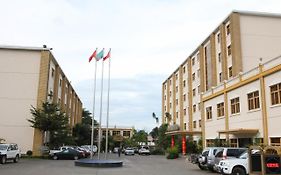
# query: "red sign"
{"type": "Point", "coordinates": [272, 165]}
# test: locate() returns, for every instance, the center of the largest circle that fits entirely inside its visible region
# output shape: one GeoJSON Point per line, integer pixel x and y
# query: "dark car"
{"type": "Point", "coordinates": [68, 154]}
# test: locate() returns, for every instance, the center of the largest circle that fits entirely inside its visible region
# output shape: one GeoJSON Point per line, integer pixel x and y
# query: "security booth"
{"type": "Point", "coordinates": [256, 160]}
{"type": "Point", "coordinates": [272, 162]}
{"type": "Point", "coordinates": [264, 161]}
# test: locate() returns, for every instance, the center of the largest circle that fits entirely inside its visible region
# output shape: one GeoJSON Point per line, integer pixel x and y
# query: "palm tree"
{"type": "Point", "coordinates": [156, 118]}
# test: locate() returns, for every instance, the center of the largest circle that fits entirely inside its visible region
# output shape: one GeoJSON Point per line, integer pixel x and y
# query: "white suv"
{"type": "Point", "coordinates": [235, 166]}
{"type": "Point", "coordinates": [9, 152]}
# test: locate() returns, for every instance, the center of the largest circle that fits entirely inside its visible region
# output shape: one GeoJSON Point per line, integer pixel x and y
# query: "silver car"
{"type": "Point", "coordinates": [207, 159]}
{"type": "Point", "coordinates": [129, 151]}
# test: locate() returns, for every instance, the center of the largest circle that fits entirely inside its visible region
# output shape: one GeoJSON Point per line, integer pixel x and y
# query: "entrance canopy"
{"type": "Point", "coordinates": [239, 131]}
{"type": "Point", "coordinates": [183, 132]}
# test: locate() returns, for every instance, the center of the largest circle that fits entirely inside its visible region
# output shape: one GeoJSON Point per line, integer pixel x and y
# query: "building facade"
{"type": "Point", "coordinates": [124, 132]}
{"type": "Point", "coordinates": [228, 88]}
{"type": "Point", "coordinates": [30, 76]}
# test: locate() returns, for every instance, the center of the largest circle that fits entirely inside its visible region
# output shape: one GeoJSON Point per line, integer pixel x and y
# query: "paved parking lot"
{"type": "Point", "coordinates": [132, 165]}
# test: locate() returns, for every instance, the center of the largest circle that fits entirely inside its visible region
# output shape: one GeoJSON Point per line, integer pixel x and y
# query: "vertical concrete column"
{"type": "Point", "coordinates": [236, 44]}
{"type": "Point", "coordinates": [223, 53]}
{"type": "Point", "coordinates": [163, 102]}
{"type": "Point", "coordinates": [181, 98]}
{"type": "Point", "coordinates": [264, 110]}
{"type": "Point", "coordinates": [189, 94]}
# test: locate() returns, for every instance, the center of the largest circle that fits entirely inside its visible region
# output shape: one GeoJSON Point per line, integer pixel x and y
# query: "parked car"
{"type": "Point", "coordinates": [115, 149]}
{"type": "Point", "coordinates": [59, 149]}
{"type": "Point", "coordinates": [88, 148]}
{"type": "Point", "coordinates": [69, 153]}
{"type": "Point", "coordinates": [237, 166]}
{"type": "Point", "coordinates": [9, 152]}
{"type": "Point", "coordinates": [227, 153]}
{"type": "Point", "coordinates": [129, 151]}
{"type": "Point", "coordinates": [144, 150]}
{"type": "Point", "coordinates": [207, 159]}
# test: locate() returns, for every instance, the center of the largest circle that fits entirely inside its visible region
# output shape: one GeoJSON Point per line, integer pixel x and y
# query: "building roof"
{"type": "Point", "coordinates": [44, 47]}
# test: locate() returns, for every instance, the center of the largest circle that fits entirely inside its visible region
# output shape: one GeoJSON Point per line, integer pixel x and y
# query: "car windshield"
{"type": "Point", "coordinates": [3, 147]}
{"type": "Point", "coordinates": [244, 155]}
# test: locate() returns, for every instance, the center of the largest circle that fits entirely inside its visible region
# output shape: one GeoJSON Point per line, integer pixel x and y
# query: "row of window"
{"type": "Point", "coordinates": [194, 124]}
{"type": "Point", "coordinates": [253, 102]}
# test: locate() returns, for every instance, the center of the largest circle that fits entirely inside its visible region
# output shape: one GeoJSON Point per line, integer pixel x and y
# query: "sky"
{"type": "Point", "coordinates": [149, 40]}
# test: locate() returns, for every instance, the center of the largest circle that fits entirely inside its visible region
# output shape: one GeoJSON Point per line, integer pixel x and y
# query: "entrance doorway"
{"type": "Point", "coordinates": [245, 142]}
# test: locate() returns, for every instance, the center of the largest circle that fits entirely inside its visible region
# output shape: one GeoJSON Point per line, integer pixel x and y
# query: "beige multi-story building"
{"type": "Point", "coordinates": [229, 88]}
{"type": "Point", "coordinates": [124, 132]}
{"type": "Point", "coordinates": [30, 76]}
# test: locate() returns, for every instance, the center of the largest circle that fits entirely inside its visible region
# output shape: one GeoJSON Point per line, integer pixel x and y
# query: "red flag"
{"type": "Point", "coordinates": [94, 55]}
{"type": "Point", "coordinates": [107, 56]}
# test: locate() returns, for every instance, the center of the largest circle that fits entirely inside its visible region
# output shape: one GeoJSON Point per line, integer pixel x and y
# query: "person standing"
{"type": "Point", "coordinates": [119, 151]}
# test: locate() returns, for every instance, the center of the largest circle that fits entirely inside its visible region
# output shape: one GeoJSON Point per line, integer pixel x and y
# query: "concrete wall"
{"type": "Point", "coordinates": [19, 78]}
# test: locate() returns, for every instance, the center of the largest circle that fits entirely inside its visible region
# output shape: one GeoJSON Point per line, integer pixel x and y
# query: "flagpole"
{"type": "Point", "coordinates": [99, 144]}
{"type": "Point", "coordinates": [107, 113]}
{"type": "Point", "coordinates": [93, 118]}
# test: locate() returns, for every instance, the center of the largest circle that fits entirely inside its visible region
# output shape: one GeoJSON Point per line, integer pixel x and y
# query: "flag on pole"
{"type": "Point", "coordinates": [108, 55]}
{"type": "Point", "coordinates": [94, 55]}
{"type": "Point", "coordinates": [100, 55]}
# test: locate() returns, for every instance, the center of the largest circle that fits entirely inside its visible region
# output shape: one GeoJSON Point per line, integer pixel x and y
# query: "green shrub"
{"type": "Point", "coordinates": [173, 153]}
{"type": "Point", "coordinates": [158, 151]}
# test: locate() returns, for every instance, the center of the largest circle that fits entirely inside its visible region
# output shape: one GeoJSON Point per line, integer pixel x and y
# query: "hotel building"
{"type": "Point", "coordinates": [30, 76]}
{"type": "Point", "coordinates": [229, 88]}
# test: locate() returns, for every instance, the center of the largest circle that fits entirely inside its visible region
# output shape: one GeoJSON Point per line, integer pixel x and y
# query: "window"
{"type": "Point", "coordinates": [199, 106]}
{"type": "Point", "coordinates": [194, 124]}
{"type": "Point", "coordinates": [275, 92]}
{"type": "Point", "coordinates": [170, 93]}
{"type": "Point", "coordinates": [198, 73]}
{"type": "Point", "coordinates": [230, 71]}
{"type": "Point", "coordinates": [60, 82]}
{"type": "Point", "coordinates": [170, 105]}
{"type": "Point", "coordinates": [184, 126]}
{"type": "Point", "coordinates": [177, 114]}
{"type": "Point", "coordinates": [177, 101]}
{"type": "Point", "coordinates": [193, 92]}
{"type": "Point", "coordinates": [184, 83]}
{"type": "Point", "coordinates": [253, 100]}
{"type": "Point", "coordinates": [165, 87]}
{"type": "Point", "coordinates": [194, 108]}
{"type": "Point", "coordinates": [176, 76]}
{"type": "Point", "coordinates": [275, 141]}
{"type": "Point", "coordinates": [184, 97]}
{"type": "Point", "coordinates": [233, 143]}
{"type": "Point", "coordinates": [116, 133]}
{"type": "Point", "coordinates": [170, 82]}
{"type": "Point", "coordinates": [219, 37]}
{"type": "Point", "coordinates": [198, 89]}
{"type": "Point", "coordinates": [183, 69]}
{"type": "Point", "coordinates": [199, 123]}
{"type": "Point", "coordinates": [126, 133]}
{"type": "Point", "coordinates": [228, 29]}
{"type": "Point", "coordinates": [193, 61]}
{"type": "Point", "coordinates": [184, 111]}
{"type": "Point", "coordinates": [219, 57]}
{"type": "Point", "coordinates": [235, 105]}
{"type": "Point", "coordinates": [220, 77]}
{"type": "Point", "coordinates": [193, 76]}
{"type": "Point", "coordinates": [53, 72]}
{"type": "Point", "coordinates": [229, 50]}
{"type": "Point", "coordinates": [165, 108]}
{"type": "Point", "coordinates": [220, 109]}
{"type": "Point", "coordinates": [177, 88]}
{"type": "Point", "coordinates": [165, 97]}
{"type": "Point", "coordinates": [209, 112]}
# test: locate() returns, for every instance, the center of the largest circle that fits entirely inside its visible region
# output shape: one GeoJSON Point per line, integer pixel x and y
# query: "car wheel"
{"type": "Point", "coordinates": [238, 171]}
{"type": "Point", "coordinates": [76, 157]}
{"type": "Point", "coordinates": [55, 157]}
{"type": "Point", "coordinates": [16, 159]}
{"type": "Point", "coordinates": [3, 159]}
{"type": "Point", "coordinates": [200, 166]}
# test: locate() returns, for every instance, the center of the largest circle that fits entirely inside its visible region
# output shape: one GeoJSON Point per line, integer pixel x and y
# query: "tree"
{"type": "Point", "coordinates": [164, 140]}
{"type": "Point", "coordinates": [50, 119]}
{"type": "Point", "coordinates": [140, 136]}
{"type": "Point", "coordinates": [154, 133]}
{"type": "Point", "coordinates": [82, 131]}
